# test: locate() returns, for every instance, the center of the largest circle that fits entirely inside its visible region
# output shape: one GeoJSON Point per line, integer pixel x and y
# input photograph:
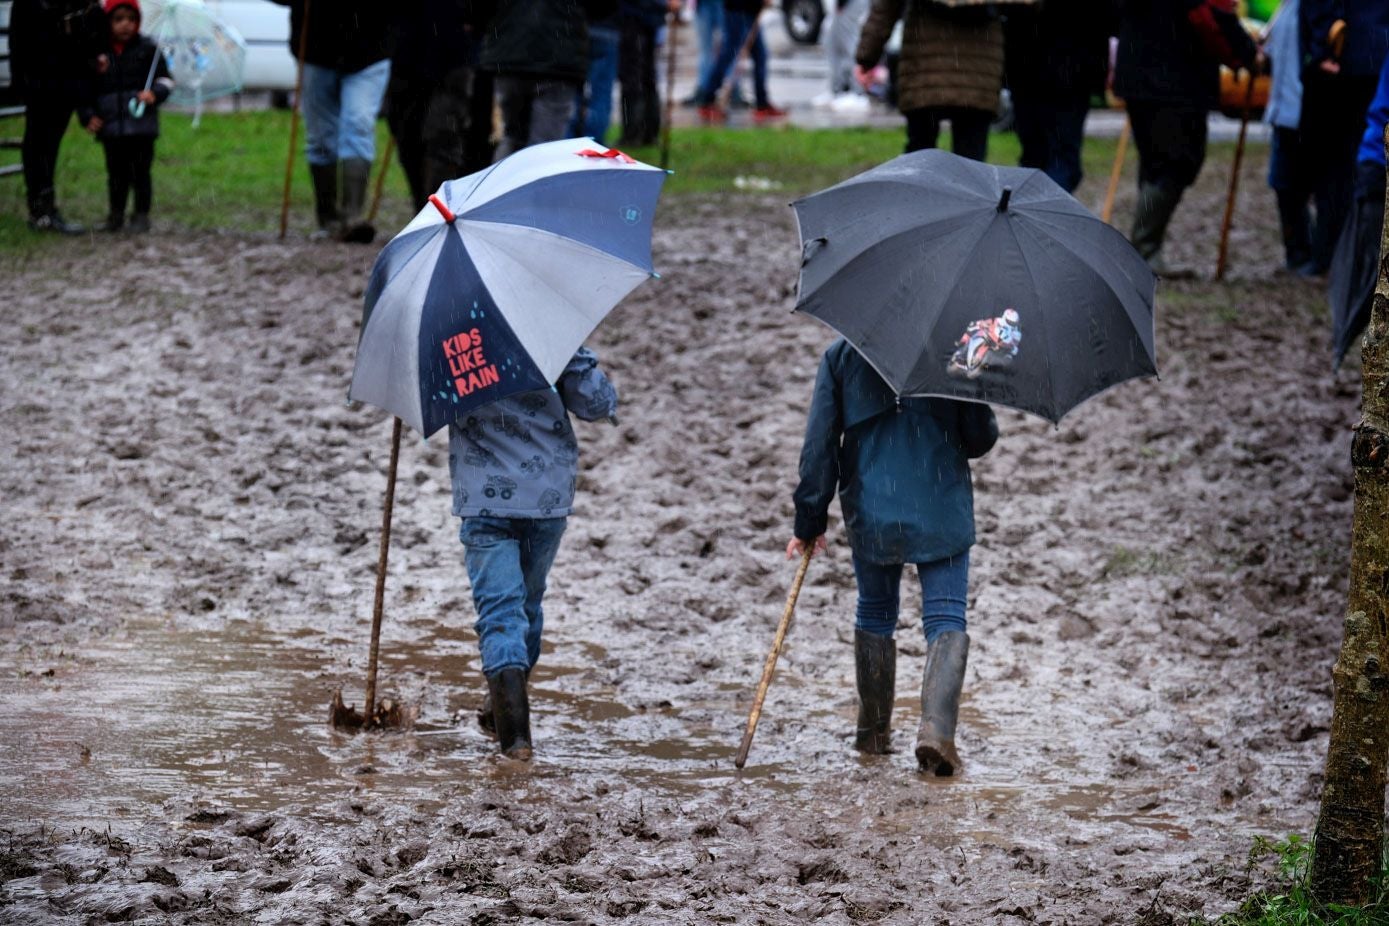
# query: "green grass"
{"type": "Point", "coordinates": [228, 174]}
{"type": "Point", "coordinates": [1288, 902]}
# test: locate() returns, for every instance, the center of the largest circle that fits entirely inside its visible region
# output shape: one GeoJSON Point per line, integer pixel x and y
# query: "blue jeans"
{"type": "Point", "coordinates": [340, 111]}
{"type": "Point", "coordinates": [737, 25]}
{"type": "Point", "coordinates": [596, 101]}
{"type": "Point", "coordinates": [508, 560]}
{"type": "Point", "coordinates": [708, 25]}
{"type": "Point", "coordinates": [944, 585]}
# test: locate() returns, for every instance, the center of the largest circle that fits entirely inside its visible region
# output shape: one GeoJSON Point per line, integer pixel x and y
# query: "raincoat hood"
{"type": "Point", "coordinates": [110, 7]}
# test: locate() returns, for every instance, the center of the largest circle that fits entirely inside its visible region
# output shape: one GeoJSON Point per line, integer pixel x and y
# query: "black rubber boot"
{"type": "Point", "coordinates": [1155, 207]}
{"type": "Point", "coordinates": [875, 665]}
{"type": "Point", "coordinates": [486, 717]}
{"type": "Point", "coordinates": [356, 176]}
{"type": "Point", "coordinates": [325, 199]}
{"type": "Point", "coordinates": [940, 703]}
{"type": "Point", "coordinates": [511, 713]}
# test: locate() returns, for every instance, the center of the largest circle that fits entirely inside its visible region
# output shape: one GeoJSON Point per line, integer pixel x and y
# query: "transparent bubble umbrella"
{"type": "Point", "coordinates": [206, 56]}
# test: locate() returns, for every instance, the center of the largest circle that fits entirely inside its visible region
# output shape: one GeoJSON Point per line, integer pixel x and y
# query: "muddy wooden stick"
{"type": "Point", "coordinates": [381, 178]}
{"type": "Point", "coordinates": [1108, 211]}
{"type": "Point", "coordinates": [294, 118]}
{"type": "Point", "coordinates": [370, 707]}
{"type": "Point", "coordinates": [1234, 181]}
{"type": "Point", "coordinates": [756, 713]}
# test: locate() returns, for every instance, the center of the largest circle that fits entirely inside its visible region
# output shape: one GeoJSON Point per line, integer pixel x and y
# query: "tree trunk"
{"type": "Point", "coordinates": [1350, 832]}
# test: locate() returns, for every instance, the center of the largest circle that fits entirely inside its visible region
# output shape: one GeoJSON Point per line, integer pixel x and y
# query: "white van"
{"type": "Point", "coordinates": [264, 26]}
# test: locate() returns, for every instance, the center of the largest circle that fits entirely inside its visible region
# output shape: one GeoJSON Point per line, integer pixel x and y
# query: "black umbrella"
{"type": "Point", "coordinates": [957, 278]}
{"type": "Point", "coordinates": [1355, 264]}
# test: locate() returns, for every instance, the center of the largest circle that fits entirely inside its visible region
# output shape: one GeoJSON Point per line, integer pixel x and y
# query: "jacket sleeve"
{"type": "Point", "coordinates": [584, 388]}
{"type": "Point", "coordinates": [978, 428]}
{"type": "Point", "coordinates": [877, 28]}
{"type": "Point", "coordinates": [1222, 36]}
{"type": "Point", "coordinates": [819, 455]}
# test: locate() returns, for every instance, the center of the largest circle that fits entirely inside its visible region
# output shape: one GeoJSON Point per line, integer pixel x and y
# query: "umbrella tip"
{"type": "Point", "coordinates": [444, 210]}
{"type": "Point", "coordinates": [1003, 200]}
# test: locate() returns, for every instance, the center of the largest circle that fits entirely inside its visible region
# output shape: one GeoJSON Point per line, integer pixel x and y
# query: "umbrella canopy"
{"type": "Point", "coordinates": [495, 284]}
{"type": "Point", "coordinates": [206, 56]}
{"type": "Point", "coordinates": [960, 279]}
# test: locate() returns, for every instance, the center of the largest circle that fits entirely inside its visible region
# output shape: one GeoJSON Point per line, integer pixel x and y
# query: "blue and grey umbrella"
{"type": "Point", "coordinates": [960, 279]}
{"type": "Point", "coordinates": [495, 284]}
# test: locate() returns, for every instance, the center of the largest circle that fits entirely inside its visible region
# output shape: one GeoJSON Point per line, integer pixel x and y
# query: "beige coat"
{"type": "Point", "coordinates": [946, 61]}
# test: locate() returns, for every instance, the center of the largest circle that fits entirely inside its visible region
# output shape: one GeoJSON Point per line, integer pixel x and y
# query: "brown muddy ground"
{"type": "Point", "coordinates": [190, 532]}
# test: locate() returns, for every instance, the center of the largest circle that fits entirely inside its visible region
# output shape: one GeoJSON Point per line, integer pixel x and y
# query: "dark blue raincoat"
{"type": "Point", "coordinates": [901, 466]}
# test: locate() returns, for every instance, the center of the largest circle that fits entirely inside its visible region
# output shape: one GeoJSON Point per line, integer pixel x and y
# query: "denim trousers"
{"type": "Point", "coordinates": [944, 585]}
{"type": "Point", "coordinates": [737, 25]}
{"type": "Point", "coordinates": [340, 111]}
{"type": "Point", "coordinates": [508, 560]}
{"type": "Point", "coordinates": [595, 111]}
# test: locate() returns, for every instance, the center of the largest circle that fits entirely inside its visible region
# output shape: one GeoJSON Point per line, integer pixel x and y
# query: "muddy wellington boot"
{"type": "Point", "coordinates": [511, 713]}
{"type": "Point", "coordinates": [940, 703]}
{"type": "Point", "coordinates": [1154, 211]}
{"type": "Point", "coordinates": [486, 716]}
{"type": "Point", "coordinates": [356, 176]}
{"type": "Point", "coordinates": [875, 665]}
{"type": "Point", "coordinates": [325, 199]}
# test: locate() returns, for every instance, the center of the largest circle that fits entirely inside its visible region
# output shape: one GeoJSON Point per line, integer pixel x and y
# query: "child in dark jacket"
{"type": "Point", "coordinates": [901, 468]}
{"type": "Point", "coordinates": [123, 115]}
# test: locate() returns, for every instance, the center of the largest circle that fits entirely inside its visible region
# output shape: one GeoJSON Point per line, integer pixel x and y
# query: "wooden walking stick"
{"type": "Point", "coordinates": [392, 714]}
{"type": "Point", "coordinates": [756, 713]}
{"type": "Point", "coordinates": [672, 39]}
{"type": "Point", "coordinates": [1119, 152]}
{"type": "Point", "coordinates": [294, 118]}
{"type": "Point", "coordinates": [381, 178]}
{"type": "Point", "coordinates": [1234, 180]}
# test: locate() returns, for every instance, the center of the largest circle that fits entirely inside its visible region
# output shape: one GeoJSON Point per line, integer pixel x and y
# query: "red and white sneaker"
{"type": "Point", "coordinates": [710, 114]}
{"type": "Point", "coordinates": [768, 113]}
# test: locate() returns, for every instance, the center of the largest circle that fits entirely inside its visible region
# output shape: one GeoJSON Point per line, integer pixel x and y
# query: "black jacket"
{"type": "Point", "coordinates": [1164, 58]}
{"type": "Point", "coordinates": [54, 44]}
{"type": "Point", "coordinates": [1366, 35]}
{"type": "Point", "coordinates": [344, 35]}
{"type": "Point", "coordinates": [433, 38]}
{"type": "Point", "coordinates": [541, 39]}
{"type": "Point", "coordinates": [114, 90]}
{"type": "Point", "coordinates": [1060, 47]}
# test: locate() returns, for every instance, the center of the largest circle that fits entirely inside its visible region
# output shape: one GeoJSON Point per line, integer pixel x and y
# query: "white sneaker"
{"type": "Point", "coordinates": [851, 103]}
{"type": "Point", "coordinates": [822, 100]}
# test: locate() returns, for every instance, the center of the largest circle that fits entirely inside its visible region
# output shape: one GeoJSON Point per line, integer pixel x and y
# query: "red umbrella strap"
{"type": "Point", "coordinates": [610, 153]}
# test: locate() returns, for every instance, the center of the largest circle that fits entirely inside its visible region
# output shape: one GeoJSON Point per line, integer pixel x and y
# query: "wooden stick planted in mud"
{"type": "Point", "coordinates": [1234, 180]}
{"type": "Point", "coordinates": [381, 178]}
{"type": "Point", "coordinates": [294, 118]}
{"type": "Point", "coordinates": [1108, 211]}
{"type": "Point", "coordinates": [756, 713]}
{"type": "Point", "coordinates": [370, 707]}
{"type": "Point", "coordinates": [672, 38]}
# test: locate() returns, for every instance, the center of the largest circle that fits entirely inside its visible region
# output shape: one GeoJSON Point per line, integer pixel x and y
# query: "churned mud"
{"type": "Point", "coordinates": [191, 517]}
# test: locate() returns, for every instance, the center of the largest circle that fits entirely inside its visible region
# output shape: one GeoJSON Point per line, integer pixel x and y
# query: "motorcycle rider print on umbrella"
{"type": "Point", "coordinates": [931, 267]}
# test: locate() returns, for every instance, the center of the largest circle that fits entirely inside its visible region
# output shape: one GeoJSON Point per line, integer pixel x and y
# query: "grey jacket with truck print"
{"type": "Point", "coordinates": [519, 457]}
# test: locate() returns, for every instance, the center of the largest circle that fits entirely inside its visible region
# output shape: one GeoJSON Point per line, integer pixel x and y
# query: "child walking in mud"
{"type": "Point", "coordinates": [901, 467]}
{"type": "Point", "coordinates": [514, 468]}
{"type": "Point", "coordinates": [123, 113]}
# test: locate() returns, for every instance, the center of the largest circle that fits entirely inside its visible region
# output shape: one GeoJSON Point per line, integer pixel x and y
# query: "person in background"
{"type": "Point", "coordinates": [901, 468]}
{"type": "Point", "coordinates": [1287, 162]}
{"type": "Point", "coordinates": [641, 99]}
{"type": "Point", "coordinates": [124, 114]}
{"type": "Point", "coordinates": [843, 93]}
{"type": "Point", "coordinates": [346, 68]}
{"type": "Point", "coordinates": [439, 104]}
{"type": "Point", "coordinates": [1057, 59]}
{"type": "Point", "coordinates": [1168, 74]}
{"type": "Point", "coordinates": [740, 19]}
{"type": "Point", "coordinates": [1344, 43]}
{"type": "Point", "coordinates": [595, 104]}
{"type": "Point", "coordinates": [55, 49]}
{"type": "Point", "coordinates": [950, 70]}
{"type": "Point", "coordinates": [538, 52]}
